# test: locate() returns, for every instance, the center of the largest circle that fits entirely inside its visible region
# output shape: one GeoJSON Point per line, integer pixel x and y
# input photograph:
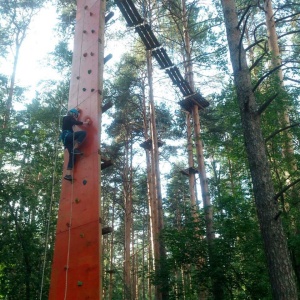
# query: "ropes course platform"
{"type": "Point", "coordinates": [194, 99]}
{"type": "Point", "coordinates": [107, 106]}
{"type": "Point", "coordinates": [188, 171]}
{"type": "Point", "coordinates": [107, 230]}
{"type": "Point", "coordinates": [147, 145]}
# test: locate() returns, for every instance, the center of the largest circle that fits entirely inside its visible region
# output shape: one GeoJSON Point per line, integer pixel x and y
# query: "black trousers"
{"type": "Point", "coordinates": [70, 140]}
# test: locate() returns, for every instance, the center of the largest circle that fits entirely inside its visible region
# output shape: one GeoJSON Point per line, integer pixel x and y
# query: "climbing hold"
{"type": "Point", "coordinates": [77, 77]}
{"type": "Point", "coordinates": [89, 121]}
{"type": "Point", "coordinates": [99, 92]}
{"type": "Point", "coordinates": [89, 71]}
{"type": "Point", "coordinates": [84, 31]}
{"type": "Point", "coordinates": [91, 13]}
{"type": "Point", "coordinates": [92, 90]}
{"type": "Point", "coordinates": [66, 267]}
{"type": "Point", "coordinates": [92, 54]}
{"type": "Point", "coordinates": [84, 89]}
{"type": "Point", "coordinates": [79, 283]}
{"type": "Point", "coordinates": [85, 54]}
{"type": "Point", "coordinates": [84, 182]}
{"type": "Point", "coordinates": [93, 31]}
{"type": "Point", "coordinates": [68, 224]}
{"type": "Point", "coordinates": [77, 200]}
{"type": "Point", "coordinates": [82, 235]}
{"type": "Point", "coordinates": [86, 7]}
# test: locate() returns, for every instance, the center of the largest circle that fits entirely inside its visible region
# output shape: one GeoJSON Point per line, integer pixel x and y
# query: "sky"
{"type": "Point", "coordinates": [39, 42]}
{"type": "Point", "coordinates": [41, 39]}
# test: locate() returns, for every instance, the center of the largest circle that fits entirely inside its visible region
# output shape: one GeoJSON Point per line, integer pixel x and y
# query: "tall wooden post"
{"type": "Point", "coordinates": [198, 143]}
{"type": "Point", "coordinates": [76, 268]}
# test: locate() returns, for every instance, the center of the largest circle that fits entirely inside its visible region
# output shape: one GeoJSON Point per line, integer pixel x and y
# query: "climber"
{"type": "Point", "coordinates": [72, 139]}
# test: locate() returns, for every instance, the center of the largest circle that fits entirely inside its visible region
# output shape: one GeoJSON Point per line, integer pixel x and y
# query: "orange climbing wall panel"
{"type": "Point", "coordinates": [76, 267]}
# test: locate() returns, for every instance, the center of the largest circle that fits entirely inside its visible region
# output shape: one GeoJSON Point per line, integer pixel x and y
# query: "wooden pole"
{"type": "Point", "coordinates": [76, 267]}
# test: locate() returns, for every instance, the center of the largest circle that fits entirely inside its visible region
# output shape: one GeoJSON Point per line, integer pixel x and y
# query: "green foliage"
{"type": "Point", "coordinates": [27, 197]}
{"type": "Point", "coordinates": [30, 178]}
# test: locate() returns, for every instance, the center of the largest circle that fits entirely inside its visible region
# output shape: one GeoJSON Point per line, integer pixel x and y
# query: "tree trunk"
{"type": "Point", "coordinates": [160, 293]}
{"type": "Point", "coordinates": [281, 273]}
{"type": "Point", "coordinates": [133, 266]}
{"type": "Point", "coordinates": [191, 163]}
{"type": "Point", "coordinates": [189, 75]}
{"type": "Point", "coordinates": [284, 119]}
{"type": "Point", "coordinates": [128, 219]}
{"type": "Point", "coordinates": [198, 143]}
{"type": "Point", "coordinates": [153, 233]}
{"type": "Point", "coordinates": [110, 292]}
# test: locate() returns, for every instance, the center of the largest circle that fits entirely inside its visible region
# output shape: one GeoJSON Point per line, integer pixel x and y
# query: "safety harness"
{"type": "Point", "coordinates": [64, 135]}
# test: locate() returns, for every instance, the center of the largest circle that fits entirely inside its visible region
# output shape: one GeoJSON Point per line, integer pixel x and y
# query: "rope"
{"type": "Point", "coordinates": [50, 206]}
{"type": "Point", "coordinates": [69, 230]}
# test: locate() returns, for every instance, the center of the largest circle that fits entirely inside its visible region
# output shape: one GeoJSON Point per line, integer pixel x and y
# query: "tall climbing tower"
{"type": "Point", "coordinates": [76, 267]}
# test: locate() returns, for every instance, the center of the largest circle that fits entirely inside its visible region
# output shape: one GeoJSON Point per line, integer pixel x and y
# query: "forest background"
{"type": "Point", "coordinates": [245, 62]}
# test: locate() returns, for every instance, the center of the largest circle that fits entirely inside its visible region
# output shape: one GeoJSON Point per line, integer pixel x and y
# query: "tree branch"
{"type": "Point", "coordinates": [253, 44]}
{"type": "Point", "coordinates": [256, 28]}
{"type": "Point", "coordinates": [280, 130]}
{"type": "Point", "coordinates": [287, 33]}
{"type": "Point", "coordinates": [286, 188]}
{"type": "Point", "coordinates": [257, 61]}
{"type": "Point", "coordinates": [291, 79]}
{"type": "Point", "coordinates": [245, 12]}
{"type": "Point", "coordinates": [241, 40]}
{"type": "Point", "coordinates": [266, 104]}
{"type": "Point", "coordinates": [265, 76]}
{"type": "Point", "coordinates": [284, 18]}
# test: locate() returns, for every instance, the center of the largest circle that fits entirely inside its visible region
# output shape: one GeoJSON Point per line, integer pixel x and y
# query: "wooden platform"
{"type": "Point", "coordinates": [147, 145]}
{"type": "Point", "coordinates": [195, 99]}
{"type": "Point", "coordinates": [188, 171]}
{"type": "Point", "coordinates": [107, 230]}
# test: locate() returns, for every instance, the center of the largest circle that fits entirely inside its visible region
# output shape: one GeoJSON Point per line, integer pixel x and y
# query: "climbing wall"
{"type": "Point", "coordinates": [76, 269]}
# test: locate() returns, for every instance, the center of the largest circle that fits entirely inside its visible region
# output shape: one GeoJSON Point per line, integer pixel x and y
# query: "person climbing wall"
{"type": "Point", "coordinates": [72, 139]}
